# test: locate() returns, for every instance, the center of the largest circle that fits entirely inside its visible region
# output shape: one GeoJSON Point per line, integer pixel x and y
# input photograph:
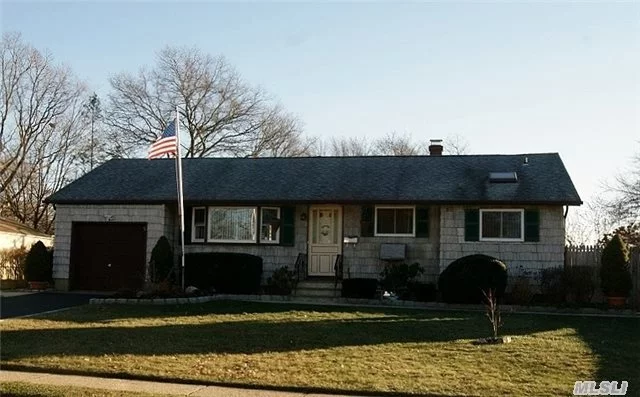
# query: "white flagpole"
{"type": "Point", "coordinates": [180, 194]}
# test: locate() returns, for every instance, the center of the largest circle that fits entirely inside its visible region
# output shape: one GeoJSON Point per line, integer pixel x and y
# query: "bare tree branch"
{"type": "Point", "coordinates": [456, 144]}
{"type": "Point", "coordinates": [395, 144]}
{"type": "Point", "coordinates": [221, 115]}
{"type": "Point", "coordinates": [624, 202]}
{"type": "Point", "coordinates": [40, 131]}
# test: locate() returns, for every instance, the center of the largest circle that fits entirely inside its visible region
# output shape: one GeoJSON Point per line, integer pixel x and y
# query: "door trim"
{"type": "Point", "coordinates": [310, 244]}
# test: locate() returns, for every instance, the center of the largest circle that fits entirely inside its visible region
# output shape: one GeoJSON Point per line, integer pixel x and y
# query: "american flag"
{"type": "Point", "coordinates": [166, 144]}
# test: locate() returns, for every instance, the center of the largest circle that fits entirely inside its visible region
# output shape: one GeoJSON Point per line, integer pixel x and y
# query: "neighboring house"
{"type": "Point", "coordinates": [14, 234]}
{"type": "Point", "coordinates": [436, 208]}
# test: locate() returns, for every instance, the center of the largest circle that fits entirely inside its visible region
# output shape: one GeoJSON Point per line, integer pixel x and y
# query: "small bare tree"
{"type": "Point", "coordinates": [493, 311]}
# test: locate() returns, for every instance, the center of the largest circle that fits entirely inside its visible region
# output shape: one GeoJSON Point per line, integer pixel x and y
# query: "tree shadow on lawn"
{"type": "Point", "coordinates": [614, 341]}
{"type": "Point", "coordinates": [234, 337]}
{"type": "Point", "coordinates": [109, 313]}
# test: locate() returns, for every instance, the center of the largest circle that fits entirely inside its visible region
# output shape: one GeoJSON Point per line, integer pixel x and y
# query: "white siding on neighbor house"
{"type": "Point", "coordinates": [273, 256]}
{"type": "Point", "coordinates": [363, 259]}
{"type": "Point", "coordinates": [16, 240]}
{"type": "Point", "coordinates": [548, 252]}
{"type": "Point", "coordinates": [66, 214]}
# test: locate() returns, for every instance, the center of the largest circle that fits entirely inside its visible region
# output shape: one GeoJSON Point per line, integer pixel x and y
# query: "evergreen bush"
{"type": "Point", "coordinates": [614, 270]}
{"type": "Point", "coordinates": [465, 279]}
{"type": "Point", "coordinates": [162, 261]}
{"type": "Point", "coordinates": [281, 282]}
{"type": "Point", "coordinates": [396, 277]}
{"type": "Point", "coordinates": [38, 264]}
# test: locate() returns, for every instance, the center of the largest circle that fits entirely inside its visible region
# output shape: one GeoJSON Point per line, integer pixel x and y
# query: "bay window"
{"type": "Point", "coordinates": [235, 224]}
{"type": "Point", "coordinates": [232, 224]}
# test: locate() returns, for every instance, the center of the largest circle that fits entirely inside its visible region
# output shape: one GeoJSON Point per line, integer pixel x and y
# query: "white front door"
{"type": "Point", "coordinates": [325, 239]}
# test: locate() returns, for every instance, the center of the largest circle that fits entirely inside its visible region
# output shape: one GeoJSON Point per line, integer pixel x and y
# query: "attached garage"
{"type": "Point", "coordinates": [108, 256]}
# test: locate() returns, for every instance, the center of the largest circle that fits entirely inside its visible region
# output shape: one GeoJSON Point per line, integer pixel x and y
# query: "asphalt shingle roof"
{"type": "Point", "coordinates": [423, 179]}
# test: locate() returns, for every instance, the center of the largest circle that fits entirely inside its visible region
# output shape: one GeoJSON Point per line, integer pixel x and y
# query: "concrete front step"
{"type": "Point", "coordinates": [317, 293]}
{"type": "Point", "coordinates": [318, 289]}
{"type": "Point", "coordinates": [318, 284]}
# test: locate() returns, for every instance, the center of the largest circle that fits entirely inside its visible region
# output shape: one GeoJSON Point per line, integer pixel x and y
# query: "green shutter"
{"type": "Point", "coordinates": [188, 224]}
{"type": "Point", "coordinates": [287, 226]}
{"type": "Point", "coordinates": [531, 225]}
{"type": "Point", "coordinates": [472, 225]}
{"type": "Point", "coordinates": [367, 221]}
{"type": "Point", "coordinates": [422, 221]}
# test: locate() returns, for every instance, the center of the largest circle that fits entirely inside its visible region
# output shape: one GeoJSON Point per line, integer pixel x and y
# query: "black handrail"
{"type": "Point", "coordinates": [300, 267]}
{"type": "Point", "coordinates": [339, 270]}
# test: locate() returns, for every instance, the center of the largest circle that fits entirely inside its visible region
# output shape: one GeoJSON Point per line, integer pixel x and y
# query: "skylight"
{"type": "Point", "coordinates": [503, 177]}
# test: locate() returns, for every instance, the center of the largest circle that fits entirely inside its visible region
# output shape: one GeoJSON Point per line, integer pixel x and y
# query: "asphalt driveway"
{"type": "Point", "coordinates": [21, 304]}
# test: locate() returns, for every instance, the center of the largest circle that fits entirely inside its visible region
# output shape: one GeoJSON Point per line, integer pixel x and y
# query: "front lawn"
{"type": "Point", "coordinates": [328, 348]}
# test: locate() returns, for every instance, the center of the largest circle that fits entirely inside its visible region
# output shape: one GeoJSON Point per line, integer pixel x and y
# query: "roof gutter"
{"type": "Point", "coordinates": [306, 201]}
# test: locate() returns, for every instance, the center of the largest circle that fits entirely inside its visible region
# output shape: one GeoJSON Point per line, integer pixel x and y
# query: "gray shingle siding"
{"type": "Point", "coordinates": [518, 256]}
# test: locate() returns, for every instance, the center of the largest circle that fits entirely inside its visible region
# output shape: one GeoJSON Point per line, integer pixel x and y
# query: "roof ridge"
{"type": "Point", "coordinates": [346, 157]}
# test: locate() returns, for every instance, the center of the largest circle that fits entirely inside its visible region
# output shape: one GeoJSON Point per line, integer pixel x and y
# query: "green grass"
{"type": "Point", "coordinates": [23, 389]}
{"type": "Point", "coordinates": [328, 348]}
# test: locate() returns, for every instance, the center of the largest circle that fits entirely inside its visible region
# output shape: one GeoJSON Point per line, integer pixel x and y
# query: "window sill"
{"type": "Point", "coordinates": [247, 243]}
{"type": "Point", "coordinates": [501, 240]}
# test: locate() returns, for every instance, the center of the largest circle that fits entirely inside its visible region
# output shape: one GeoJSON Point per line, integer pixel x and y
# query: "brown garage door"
{"type": "Point", "coordinates": [108, 256]}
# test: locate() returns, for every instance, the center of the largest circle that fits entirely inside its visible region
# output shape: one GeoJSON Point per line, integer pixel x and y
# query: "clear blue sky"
{"type": "Point", "coordinates": [509, 77]}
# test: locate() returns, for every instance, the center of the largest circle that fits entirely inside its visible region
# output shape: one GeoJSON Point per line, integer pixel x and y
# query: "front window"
{"type": "Point", "coordinates": [232, 224]}
{"type": "Point", "coordinates": [502, 225]}
{"type": "Point", "coordinates": [395, 221]}
{"type": "Point", "coordinates": [269, 225]}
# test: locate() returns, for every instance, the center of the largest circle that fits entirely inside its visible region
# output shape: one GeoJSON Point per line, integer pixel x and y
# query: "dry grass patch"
{"type": "Point", "coordinates": [24, 389]}
{"type": "Point", "coordinates": [329, 348]}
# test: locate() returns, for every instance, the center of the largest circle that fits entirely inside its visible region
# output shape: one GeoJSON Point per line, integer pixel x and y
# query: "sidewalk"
{"type": "Point", "coordinates": [161, 388]}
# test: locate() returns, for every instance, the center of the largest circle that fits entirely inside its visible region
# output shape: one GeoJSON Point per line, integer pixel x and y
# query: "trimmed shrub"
{"type": "Point", "coordinates": [614, 272]}
{"type": "Point", "coordinates": [162, 265]}
{"type": "Point", "coordinates": [396, 277]}
{"type": "Point", "coordinates": [420, 292]}
{"type": "Point", "coordinates": [362, 288]}
{"type": "Point", "coordinates": [228, 273]}
{"type": "Point", "coordinates": [38, 265]}
{"type": "Point", "coordinates": [464, 280]}
{"type": "Point", "coordinates": [281, 282]}
{"type": "Point", "coordinates": [579, 283]}
{"type": "Point", "coordinates": [552, 285]}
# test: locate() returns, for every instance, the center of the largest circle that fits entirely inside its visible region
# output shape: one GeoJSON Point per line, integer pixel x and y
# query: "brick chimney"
{"type": "Point", "coordinates": [435, 148]}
